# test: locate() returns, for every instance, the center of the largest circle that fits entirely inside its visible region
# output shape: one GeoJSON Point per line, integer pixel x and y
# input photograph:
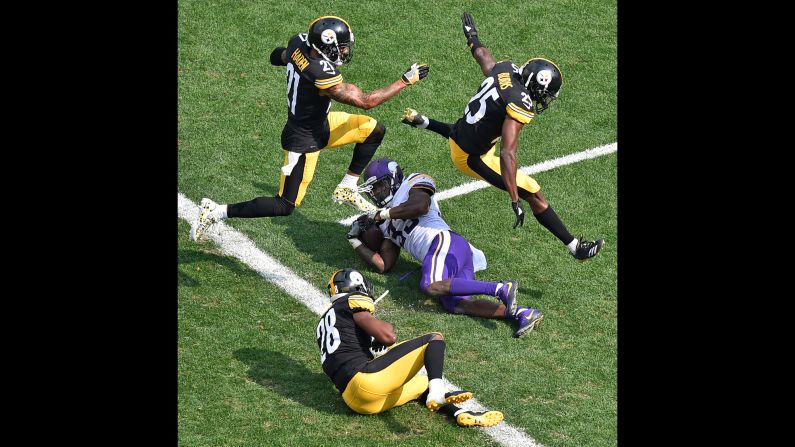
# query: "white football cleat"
{"type": "Point", "coordinates": [206, 219]}
{"type": "Point", "coordinates": [346, 194]}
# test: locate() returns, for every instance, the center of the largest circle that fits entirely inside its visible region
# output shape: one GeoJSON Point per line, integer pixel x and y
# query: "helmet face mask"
{"type": "Point", "coordinates": [543, 80]}
{"type": "Point", "coordinates": [346, 281]}
{"type": "Point", "coordinates": [332, 38]}
{"type": "Point", "coordinates": [382, 180]}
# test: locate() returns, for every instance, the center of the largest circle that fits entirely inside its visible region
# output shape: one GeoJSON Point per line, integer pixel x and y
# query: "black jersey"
{"type": "Point", "coordinates": [344, 346]}
{"type": "Point", "coordinates": [307, 128]}
{"type": "Point", "coordinates": [500, 94]}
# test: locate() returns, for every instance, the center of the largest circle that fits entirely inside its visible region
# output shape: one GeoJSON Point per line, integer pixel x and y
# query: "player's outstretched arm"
{"type": "Point", "coordinates": [354, 96]}
{"type": "Point", "coordinates": [481, 54]}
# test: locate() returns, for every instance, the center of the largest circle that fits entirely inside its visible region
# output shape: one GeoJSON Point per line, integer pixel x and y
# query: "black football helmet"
{"type": "Point", "coordinates": [348, 281]}
{"type": "Point", "coordinates": [543, 79]}
{"type": "Point", "coordinates": [332, 37]}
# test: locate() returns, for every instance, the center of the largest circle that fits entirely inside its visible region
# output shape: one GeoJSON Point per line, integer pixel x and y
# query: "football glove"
{"type": "Point", "coordinates": [517, 209]}
{"type": "Point", "coordinates": [415, 73]}
{"type": "Point", "coordinates": [377, 349]}
{"type": "Point", "coordinates": [468, 26]}
{"type": "Point", "coordinates": [356, 229]}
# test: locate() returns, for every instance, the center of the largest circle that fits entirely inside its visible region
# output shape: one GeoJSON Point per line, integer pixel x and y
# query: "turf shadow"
{"type": "Point", "coordinates": [293, 380]}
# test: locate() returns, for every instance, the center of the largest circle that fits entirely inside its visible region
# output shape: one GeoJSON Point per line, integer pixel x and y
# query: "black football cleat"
{"type": "Point", "coordinates": [587, 249]}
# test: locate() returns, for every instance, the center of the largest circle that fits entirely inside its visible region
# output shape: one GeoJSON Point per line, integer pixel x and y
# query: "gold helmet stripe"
{"type": "Point", "coordinates": [331, 17]}
{"type": "Point", "coordinates": [332, 289]}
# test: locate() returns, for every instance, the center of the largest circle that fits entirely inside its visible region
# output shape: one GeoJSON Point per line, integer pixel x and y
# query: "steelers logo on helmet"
{"type": "Point", "coordinates": [348, 281]}
{"type": "Point", "coordinates": [544, 77]}
{"type": "Point", "coordinates": [328, 36]}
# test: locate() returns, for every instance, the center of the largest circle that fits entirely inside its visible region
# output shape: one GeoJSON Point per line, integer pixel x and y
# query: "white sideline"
{"type": "Point", "coordinates": [238, 245]}
{"type": "Point", "coordinates": [474, 185]}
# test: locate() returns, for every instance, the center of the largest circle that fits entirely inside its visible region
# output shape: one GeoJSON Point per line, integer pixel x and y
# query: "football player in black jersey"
{"type": "Point", "coordinates": [506, 100]}
{"type": "Point", "coordinates": [313, 80]}
{"type": "Point", "coordinates": [347, 336]}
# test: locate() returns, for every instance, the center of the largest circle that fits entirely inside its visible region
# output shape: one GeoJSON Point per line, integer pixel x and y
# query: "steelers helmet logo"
{"type": "Point", "coordinates": [328, 36]}
{"type": "Point", "coordinates": [544, 77]}
{"type": "Point", "coordinates": [356, 277]}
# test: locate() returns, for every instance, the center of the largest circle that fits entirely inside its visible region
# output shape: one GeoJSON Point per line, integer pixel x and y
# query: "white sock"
{"type": "Point", "coordinates": [220, 211]}
{"type": "Point", "coordinates": [459, 412]}
{"type": "Point", "coordinates": [436, 389]}
{"type": "Point", "coordinates": [573, 245]}
{"type": "Point", "coordinates": [349, 181]}
{"type": "Point", "coordinates": [499, 286]}
{"type": "Point", "coordinates": [425, 122]}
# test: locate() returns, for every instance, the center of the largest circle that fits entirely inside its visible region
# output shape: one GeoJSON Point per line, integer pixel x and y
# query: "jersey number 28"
{"type": "Point", "coordinates": [328, 337]}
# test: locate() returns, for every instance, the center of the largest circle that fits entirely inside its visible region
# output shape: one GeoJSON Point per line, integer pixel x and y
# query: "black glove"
{"type": "Point", "coordinates": [517, 209]}
{"type": "Point", "coordinates": [469, 27]}
{"type": "Point", "coordinates": [357, 227]}
{"type": "Point", "coordinates": [415, 73]}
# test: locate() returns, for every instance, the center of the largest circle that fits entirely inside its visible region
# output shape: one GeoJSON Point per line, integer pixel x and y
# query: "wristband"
{"type": "Point", "coordinates": [355, 243]}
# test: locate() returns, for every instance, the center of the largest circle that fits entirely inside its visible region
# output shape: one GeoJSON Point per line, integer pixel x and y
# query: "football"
{"type": "Point", "coordinates": [372, 238]}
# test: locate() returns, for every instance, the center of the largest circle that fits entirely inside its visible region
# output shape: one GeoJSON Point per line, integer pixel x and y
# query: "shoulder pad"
{"type": "Point", "coordinates": [419, 180]}
{"type": "Point", "coordinates": [358, 302]}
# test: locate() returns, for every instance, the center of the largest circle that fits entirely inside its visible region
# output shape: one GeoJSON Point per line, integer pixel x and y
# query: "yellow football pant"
{"type": "Point", "coordinates": [344, 128]}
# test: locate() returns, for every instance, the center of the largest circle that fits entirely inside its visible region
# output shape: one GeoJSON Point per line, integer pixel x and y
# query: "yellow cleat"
{"type": "Point", "coordinates": [412, 117]}
{"type": "Point", "coordinates": [479, 419]}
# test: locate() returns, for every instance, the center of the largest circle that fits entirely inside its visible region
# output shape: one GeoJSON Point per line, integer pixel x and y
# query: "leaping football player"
{"type": "Point", "coordinates": [313, 80]}
{"type": "Point", "coordinates": [506, 100]}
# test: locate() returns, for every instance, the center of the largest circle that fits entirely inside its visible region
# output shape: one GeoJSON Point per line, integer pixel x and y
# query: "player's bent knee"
{"type": "Point", "coordinates": [377, 134]}
{"type": "Point", "coordinates": [283, 207]}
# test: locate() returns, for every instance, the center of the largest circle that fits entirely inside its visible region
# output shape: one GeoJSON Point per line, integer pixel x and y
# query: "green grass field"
{"type": "Point", "coordinates": [249, 370]}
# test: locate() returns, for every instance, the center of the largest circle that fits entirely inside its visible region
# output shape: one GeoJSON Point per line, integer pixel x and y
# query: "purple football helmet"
{"type": "Point", "coordinates": [382, 178]}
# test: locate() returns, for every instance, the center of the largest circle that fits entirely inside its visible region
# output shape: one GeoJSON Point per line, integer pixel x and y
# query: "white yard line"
{"type": "Point", "coordinates": [236, 244]}
{"type": "Point", "coordinates": [474, 185]}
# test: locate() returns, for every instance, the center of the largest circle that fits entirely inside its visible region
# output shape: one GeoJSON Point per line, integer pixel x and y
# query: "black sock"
{"type": "Point", "coordinates": [260, 207]}
{"type": "Point", "coordinates": [439, 127]}
{"type": "Point", "coordinates": [552, 222]}
{"type": "Point", "coordinates": [449, 409]}
{"type": "Point", "coordinates": [363, 152]}
{"type": "Point", "coordinates": [434, 359]}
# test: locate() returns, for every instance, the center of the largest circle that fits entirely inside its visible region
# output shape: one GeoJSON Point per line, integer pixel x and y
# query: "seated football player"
{"type": "Point", "coordinates": [409, 218]}
{"type": "Point", "coordinates": [347, 335]}
{"type": "Point", "coordinates": [312, 60]}
{"type": "Point", "coordinates": [506, 100]}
